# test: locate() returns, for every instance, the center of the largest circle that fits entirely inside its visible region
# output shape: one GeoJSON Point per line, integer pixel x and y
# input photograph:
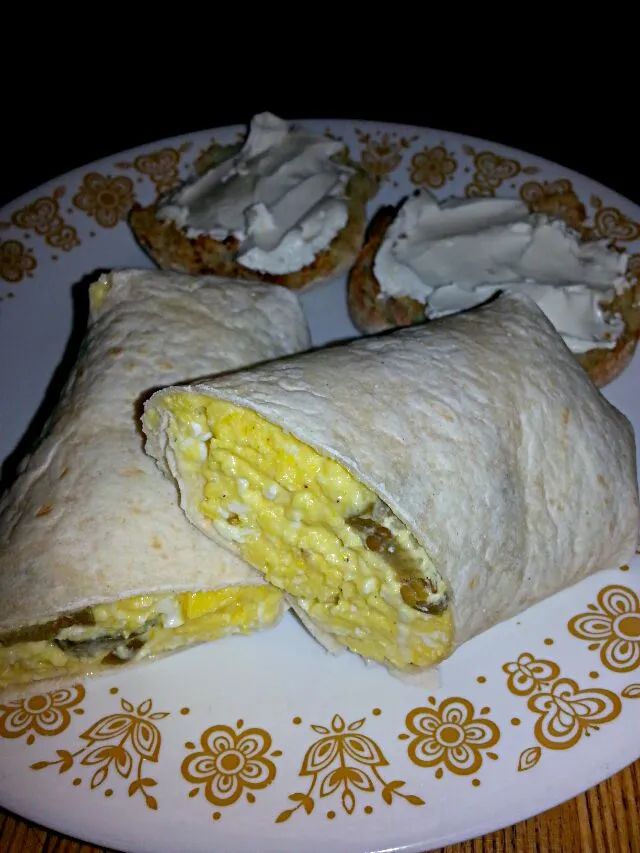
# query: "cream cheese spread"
{"type": "Point", "coordinates": [456, 254]}
{"type": "Point", "coordinates": [282, 196]}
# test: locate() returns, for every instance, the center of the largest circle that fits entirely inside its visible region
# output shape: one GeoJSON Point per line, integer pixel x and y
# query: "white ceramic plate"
{"type": "Point", "coordinates": [267, 743]}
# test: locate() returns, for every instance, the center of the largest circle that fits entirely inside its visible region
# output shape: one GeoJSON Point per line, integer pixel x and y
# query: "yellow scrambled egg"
{"type": "Point", "coordinates": [135, 628]}
{"type": "Point", "coordinates": [314, 531]}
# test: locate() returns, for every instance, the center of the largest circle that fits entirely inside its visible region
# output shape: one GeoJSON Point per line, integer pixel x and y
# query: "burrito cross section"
{"type": "Point", "coordinates": [409, 491]}
{"type": "Point", "coordinates": [143, 626]}
{"type": "Point", "coordinates": [314, 531]}
{"type": "Point", "coordinates": [99, 569]}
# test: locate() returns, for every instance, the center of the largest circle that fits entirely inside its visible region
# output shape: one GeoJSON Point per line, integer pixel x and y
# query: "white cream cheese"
{"type": "Point", "coordinates": [454, 255]}
{"type": "Point", "coordinates": [281, 196]}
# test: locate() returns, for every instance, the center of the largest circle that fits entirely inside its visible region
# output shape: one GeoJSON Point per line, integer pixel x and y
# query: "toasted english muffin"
{"type": "Point", "coordinates": [171, 248]}
{"type": "Point", "coordinates": [372, 312]}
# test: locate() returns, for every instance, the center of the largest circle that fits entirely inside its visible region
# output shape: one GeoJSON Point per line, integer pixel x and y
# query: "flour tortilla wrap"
{"type": "Point", "coordinates": [479, 433]}
{"type": "Point", "coordinates": [90, 519]}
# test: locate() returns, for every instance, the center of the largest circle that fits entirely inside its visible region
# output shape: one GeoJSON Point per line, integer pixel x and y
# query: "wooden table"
{"type": "Point", "coordinates": [605, 819]}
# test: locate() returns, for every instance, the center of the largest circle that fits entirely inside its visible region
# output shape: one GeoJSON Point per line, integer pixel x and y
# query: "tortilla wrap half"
{"type": "Point", "coordinates": [98, 567]}
{"type": "Point", "coordinates": [411, 490]}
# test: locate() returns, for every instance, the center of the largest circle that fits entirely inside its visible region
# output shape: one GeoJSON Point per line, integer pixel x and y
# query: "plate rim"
{"type": "Point", "coordinates": [182, 137]}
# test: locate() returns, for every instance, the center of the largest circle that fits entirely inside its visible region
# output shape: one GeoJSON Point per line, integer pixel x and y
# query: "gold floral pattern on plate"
{"type": "Point", "coordinates": [612, 627]}
{"type": "Point", "coordinates": [451, 736]}
{"type": "Point", "coordinates": [432, 167]}
{"type": "Point", "coordinates": [491, 171]}
{"type": "Point", "coordinates": [162, 166]}
{"type": "Point", "coordinates": [230, 762]}
{"type": "Point", "coordinates": [16, 262]}
{"type": "Point", "coordinates": [565, 712]}
{"type": "Point", "coordinates": [527, 674]}
{"type": "Point", "coordinates": [343, 761]}
{"type": "Point", "coordinates": [44, 715]}
{"type": "Point", "coordinates": [117, 745]}
{"type": "Point", "coordinates": [44, 218]}
{"type": "Point", "coordinates": [557, 199]}
{"type": "Point", "coordinates": [382, 151]}
{"type": "Point", "coordinates": [611, 224]}
{"type": "Point", "coordinates": [106, 198]}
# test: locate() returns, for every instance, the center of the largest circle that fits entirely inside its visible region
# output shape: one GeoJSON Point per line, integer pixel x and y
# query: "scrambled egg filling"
{"type": "Point", "coordinates": [135, 628]}
{"type": "Point", "coordinates": [314, 531]}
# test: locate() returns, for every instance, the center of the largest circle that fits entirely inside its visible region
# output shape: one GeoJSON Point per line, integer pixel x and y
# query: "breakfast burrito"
{"type": "Point", "coordinates": [98, 566]}
{"type": "Point", "coordinates": [411, 490]}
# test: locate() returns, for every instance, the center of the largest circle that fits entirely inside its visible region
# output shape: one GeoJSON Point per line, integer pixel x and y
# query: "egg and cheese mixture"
{"type": "Point", "coordinates": [145, 626]}
{"type": "Point", "coordinates": [313, 530]}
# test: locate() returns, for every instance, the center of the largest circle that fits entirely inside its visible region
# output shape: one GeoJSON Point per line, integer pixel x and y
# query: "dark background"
{"type": "Point", "coordinates": [592, 132]}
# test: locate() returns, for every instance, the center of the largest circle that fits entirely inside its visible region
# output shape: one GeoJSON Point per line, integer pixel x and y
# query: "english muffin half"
{"type": "Point", "coordinates": [287, 207]}
{"type": "Point", "coordinates": [373, 309]}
